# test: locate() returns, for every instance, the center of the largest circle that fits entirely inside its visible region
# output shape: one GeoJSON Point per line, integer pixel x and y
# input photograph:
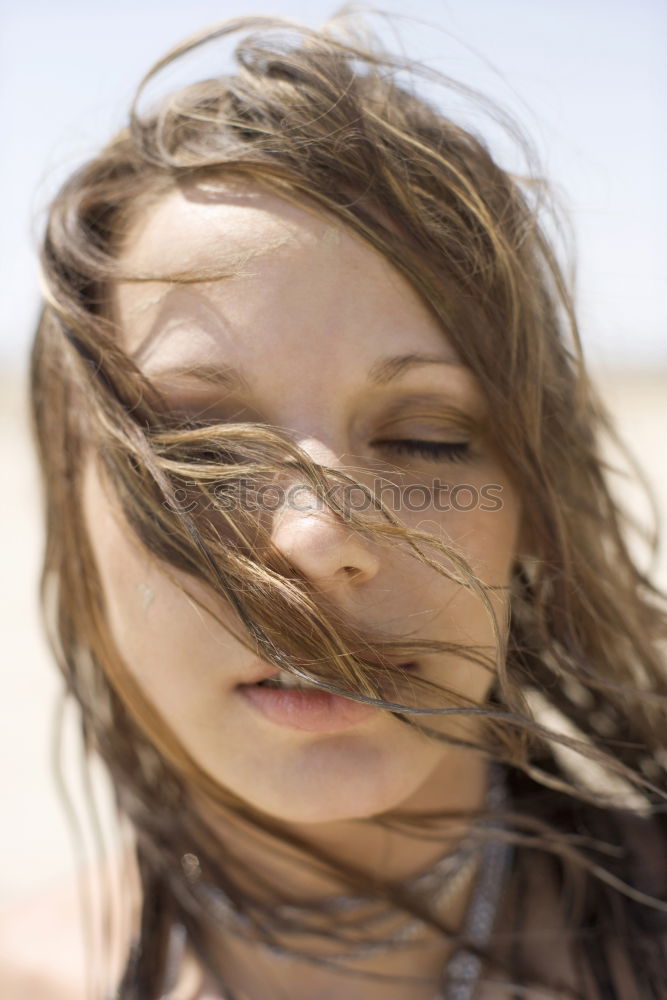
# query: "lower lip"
{"type": "Point", "coordinates": [307, 709]}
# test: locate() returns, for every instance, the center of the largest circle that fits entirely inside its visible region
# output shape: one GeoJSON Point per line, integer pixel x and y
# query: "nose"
{"type": "Point", "coordinates": [332, 554]}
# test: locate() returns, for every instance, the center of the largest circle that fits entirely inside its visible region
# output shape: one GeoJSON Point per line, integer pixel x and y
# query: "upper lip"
{"type": "Point", "coordinates": [264, 670]}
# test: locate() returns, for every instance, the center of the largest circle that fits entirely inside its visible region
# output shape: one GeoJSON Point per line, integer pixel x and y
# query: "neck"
{"type": "Point", "coordinates": [381, 853]}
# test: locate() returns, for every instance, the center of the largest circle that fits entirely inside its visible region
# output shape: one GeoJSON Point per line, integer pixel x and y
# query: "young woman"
{"type": "Point", "coordinates": [333, 570]}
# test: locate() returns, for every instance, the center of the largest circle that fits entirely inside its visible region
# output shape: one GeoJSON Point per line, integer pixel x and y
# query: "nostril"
{"type": "Point", "coordinates": [352, 572]}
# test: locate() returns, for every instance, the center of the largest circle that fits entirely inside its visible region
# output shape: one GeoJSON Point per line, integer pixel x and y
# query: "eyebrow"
{"type": "Point", "coordinates": [381, 373]}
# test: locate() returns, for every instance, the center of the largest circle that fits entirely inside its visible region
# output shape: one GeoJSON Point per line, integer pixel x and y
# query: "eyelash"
{"type": "Point", "coordinates": [453, 451]}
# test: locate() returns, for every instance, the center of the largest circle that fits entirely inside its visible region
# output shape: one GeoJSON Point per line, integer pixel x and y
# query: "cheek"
{"type": "Point", "coordinates": [473, 506]}
{"type": "Point", "coordinates": [480, 519]}
{"type": "Point", "coordinates": [173, 648]}
{"type": "Point", "coordinates": [487, 540]}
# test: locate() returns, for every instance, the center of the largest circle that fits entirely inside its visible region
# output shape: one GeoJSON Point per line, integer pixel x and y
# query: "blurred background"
{"type": "Point", "coordinates": [586, 79]}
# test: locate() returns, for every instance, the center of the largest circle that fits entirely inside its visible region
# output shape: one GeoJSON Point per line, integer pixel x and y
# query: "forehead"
{"type": "Point", "coordinates": [262, 262]}
{"type": "Point", "coordinates": [195, 227]}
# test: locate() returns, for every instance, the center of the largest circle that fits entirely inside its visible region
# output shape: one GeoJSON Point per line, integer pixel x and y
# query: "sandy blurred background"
{"type": "Point", "coordinates": [597, 115]}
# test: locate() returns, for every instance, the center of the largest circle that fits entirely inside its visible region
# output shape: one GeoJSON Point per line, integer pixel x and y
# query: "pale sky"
{"type": "Point", "coordinates": [587, 79]}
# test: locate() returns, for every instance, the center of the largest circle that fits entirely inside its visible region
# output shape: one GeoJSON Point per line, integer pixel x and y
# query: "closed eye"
{"type": "Point", "coordinates": [452, 451]}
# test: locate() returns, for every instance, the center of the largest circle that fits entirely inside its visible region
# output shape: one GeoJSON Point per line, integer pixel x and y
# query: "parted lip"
{"type": "Point", "coordinates": [263, 670]}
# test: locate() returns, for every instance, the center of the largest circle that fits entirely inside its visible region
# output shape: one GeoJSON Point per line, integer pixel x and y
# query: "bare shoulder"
{"type": "Point", "coordinates": [43, 941]}
{"type": "Point", "coordinates": [42, 950]}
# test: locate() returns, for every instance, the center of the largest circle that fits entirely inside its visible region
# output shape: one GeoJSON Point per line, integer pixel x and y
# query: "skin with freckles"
{"type": "Point", "coordinates": [309, 312]}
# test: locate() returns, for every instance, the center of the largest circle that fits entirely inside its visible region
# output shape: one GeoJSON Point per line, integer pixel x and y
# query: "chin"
{"type": "Point", "coordinates": [326, 808]}
{"type": "Point", "coordinates": [332, 784]}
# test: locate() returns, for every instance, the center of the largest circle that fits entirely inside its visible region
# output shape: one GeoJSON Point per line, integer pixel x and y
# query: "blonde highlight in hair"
{"type": "Point", "coordinates": [319, 117]}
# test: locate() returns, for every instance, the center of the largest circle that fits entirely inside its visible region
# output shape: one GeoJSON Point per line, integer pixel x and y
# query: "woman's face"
{"type": "Point", "coordinates": [303, 334]}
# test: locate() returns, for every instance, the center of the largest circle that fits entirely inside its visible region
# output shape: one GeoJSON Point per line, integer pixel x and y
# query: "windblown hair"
{"type": "Point", "coordinates": [330, 120]}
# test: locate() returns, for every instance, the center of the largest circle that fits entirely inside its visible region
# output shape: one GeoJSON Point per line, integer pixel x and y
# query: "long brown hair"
{"type": "Point", "coordinates": [328, 118]}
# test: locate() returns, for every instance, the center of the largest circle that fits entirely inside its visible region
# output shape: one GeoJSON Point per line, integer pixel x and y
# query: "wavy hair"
{"type": "Point", "coordinates": [331, 120]}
